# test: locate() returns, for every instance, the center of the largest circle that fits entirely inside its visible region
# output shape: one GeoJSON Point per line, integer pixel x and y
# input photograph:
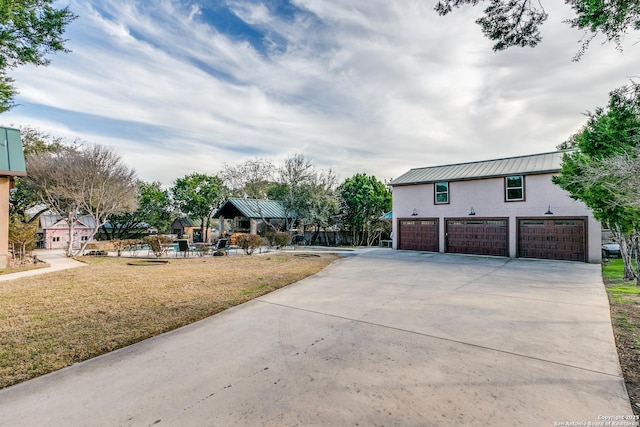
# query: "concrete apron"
{"type": "Point", "coordinates": [382, 338]}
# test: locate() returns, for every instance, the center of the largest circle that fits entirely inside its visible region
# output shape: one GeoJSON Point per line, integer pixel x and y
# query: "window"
{"type": "Point", "coordinates": [55, 239]}
{"type": "Point", "coordinates": [568, 222]}
{"type": "Point", "coordinates": [84, 238]}
{"type": "Point", "coordinates": [514, 188]}
{"type": "Point", "coordinates": [442, 193]}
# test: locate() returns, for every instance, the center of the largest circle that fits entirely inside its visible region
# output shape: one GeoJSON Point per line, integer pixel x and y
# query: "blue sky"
{"type": "Point", "coordinates": [357, 86]}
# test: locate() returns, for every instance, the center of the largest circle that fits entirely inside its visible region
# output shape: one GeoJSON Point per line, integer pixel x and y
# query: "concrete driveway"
{"type": "Point", "coordinates": [383, 338]}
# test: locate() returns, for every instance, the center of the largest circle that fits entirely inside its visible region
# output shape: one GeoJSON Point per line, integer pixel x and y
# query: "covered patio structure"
{"type": "Point", "coordinates": [246, 214]}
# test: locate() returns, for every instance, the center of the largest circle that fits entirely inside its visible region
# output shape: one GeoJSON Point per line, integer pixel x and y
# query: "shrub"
{"type": "Point", "coordinates": [156, 241]}
{"type": "Point", "coordinates": [279, 238]}
{"type": "Point", "coordinates": [248, 242]}
{"type": "Point", "coordinates": [22, 237]}
{"type": "Point", "coordinates": [233, 239]}
{"type": "Point", "coordinates": [133, 245]}
{"type": "Point", "coordinates": [119, 245]}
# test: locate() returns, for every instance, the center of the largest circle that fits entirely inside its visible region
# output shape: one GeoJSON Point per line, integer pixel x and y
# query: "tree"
{"type": "Point", "coordinates": [249, 179]}
{"type": "Point", "coordinates": [22, 197]}
{"type": "Point", "coordinates": [517, 22]}
{"type": "Point", "coordinates": [364, 201]}
{"type": "Point", "coordinates": [22, 237]}
{"type": "Point", "coordinates": [154, 205]}
{"type": "Point", "coordinates": [36, 141]}
{"type": "Point", "coordinates": [154, 211]}
{"type": "Point", "coordinates": [92, 180]}
{"type": "Point", "coordinates": [198, 196]}
{"type": "Point", "coordinates": [610, 134]}
{"type": "Point", "coordinates": [323, 206]}
{"type": "Point", "coordinates": [51, 177]}
{"type": "Point", "coordinates": [307, 193]}
{"type": "Point", "coordinates": [296, 177]}
{"type": "Point", "coordinates": [252, 179]}
{"type": "Point", "coordinates": [619, 174]}
{"type": "Point", "coordinates": [29, 31]}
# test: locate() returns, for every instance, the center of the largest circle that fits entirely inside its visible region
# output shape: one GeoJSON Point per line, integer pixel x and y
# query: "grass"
{"type": "Point", "coordinates": [20, 268]}
{"type": "Point", "coordinates": [54, 320]}
{"type": "Point", "coordinates": [624, 300]}
{"type": "Point", "coordinates": [613, 271]}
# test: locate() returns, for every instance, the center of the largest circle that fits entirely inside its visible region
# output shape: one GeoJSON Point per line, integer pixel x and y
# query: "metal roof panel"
{"type": "Point", "coordinates": [255, 208]}
{"type": "Point", "coordinates": [526, 165]}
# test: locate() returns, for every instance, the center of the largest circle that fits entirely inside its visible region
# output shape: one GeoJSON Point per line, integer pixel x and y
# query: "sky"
{"type": "Point", "coordinates": [357, 86]}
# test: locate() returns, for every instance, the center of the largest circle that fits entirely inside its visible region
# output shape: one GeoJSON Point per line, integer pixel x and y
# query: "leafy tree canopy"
{"type": "Point", "coordinates": [154, 204]}
{"type": "Point", "coordinates": [596, 173]}
{"type": "Point", "coordinates": [199, 195]}
{"type": "Point", "coordinates": [517, 22]}
{"type": "Point", "coordinates": [154, 211]}
{"type": "Point", "coordinates": [364, 200]}
{"type": "Point", "coordinates": [29, 31]}
{"type": "Point", "coordinates": [36, 141]}
{"type": "Point", "coordinates": [609, 132]}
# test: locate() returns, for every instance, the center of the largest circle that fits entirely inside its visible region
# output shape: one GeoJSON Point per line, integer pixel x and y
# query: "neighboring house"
{"type": "Point", "coordinates": [248, 214]}
{"type": "Point", "coordinates": [504, 207]}
{"type": "Point", "coordinates": [54, 231]}
{"type": "Point", "coordinates": [187, 228]}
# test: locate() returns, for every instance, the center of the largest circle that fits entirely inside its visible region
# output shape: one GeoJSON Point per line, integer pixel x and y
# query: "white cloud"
{"type": "Point", "coordinates": [359, 86]}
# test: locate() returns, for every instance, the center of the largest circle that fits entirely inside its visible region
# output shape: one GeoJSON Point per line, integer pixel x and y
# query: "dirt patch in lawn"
{"type": "Point", "coordinates": [54, 320]}
{"type": "Point", "coordinates": [624, 300]}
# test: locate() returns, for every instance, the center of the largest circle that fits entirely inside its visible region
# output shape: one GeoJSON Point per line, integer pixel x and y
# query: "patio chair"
{"type": "Point", "coordinates": [183, 248]}
{"type": "Point", "coordinates": [220, 247]}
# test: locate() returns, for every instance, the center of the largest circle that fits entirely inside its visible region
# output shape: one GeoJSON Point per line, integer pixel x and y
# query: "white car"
{"type": "Point", "coordinates": [609, 249]}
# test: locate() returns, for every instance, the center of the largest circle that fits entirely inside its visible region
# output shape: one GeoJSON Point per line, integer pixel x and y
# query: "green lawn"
{"type": "Point", "coordinates": [624, 300]}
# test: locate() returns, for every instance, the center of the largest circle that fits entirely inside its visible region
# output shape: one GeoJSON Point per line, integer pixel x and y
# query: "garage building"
{"type": "Point", "coordinates": [502, 207]}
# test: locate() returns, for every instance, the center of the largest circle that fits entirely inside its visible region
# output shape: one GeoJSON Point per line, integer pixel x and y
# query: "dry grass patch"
{"type": "Point", "coordinates": [19, 268]}
{"type": "Point", "coordinates": [51, 321]}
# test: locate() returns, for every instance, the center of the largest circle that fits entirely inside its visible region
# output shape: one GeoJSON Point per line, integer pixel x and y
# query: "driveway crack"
{"type": "Point", "coordinates": [422, 334]}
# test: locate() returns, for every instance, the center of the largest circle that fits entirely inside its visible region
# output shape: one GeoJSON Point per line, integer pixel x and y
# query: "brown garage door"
{"type": "Point", "coordinates": [561, 238]}
{"type": "Point", "coordinates": [479, 236]}
{"type": "Point", "coordinates": [419, 234]}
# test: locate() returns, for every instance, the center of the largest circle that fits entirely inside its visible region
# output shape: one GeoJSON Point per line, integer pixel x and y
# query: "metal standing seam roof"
{"type": "Point", "coordinates": [48, 221]}
{"type": "Point", "coordinates": [186, 221]}
{"type": "Point", "coordinates": [254, 208]}
{"type": "Point", "coordinates": [524, 165]}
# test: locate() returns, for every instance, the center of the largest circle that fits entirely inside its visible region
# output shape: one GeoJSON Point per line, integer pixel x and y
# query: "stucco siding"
{"type": "Point", "coordinates": [487, 198]}
{"type": "Point", "coordinates": [58, 238]}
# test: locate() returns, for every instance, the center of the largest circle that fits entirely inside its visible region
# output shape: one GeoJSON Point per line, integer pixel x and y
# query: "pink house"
{"type": "Point", "coordinates": [55, 231]}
